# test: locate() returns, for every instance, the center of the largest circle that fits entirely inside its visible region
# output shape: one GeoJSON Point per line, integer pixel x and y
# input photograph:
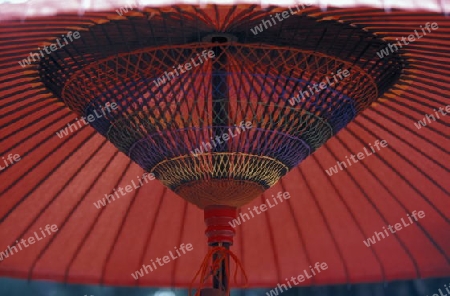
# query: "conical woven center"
{"type": "Point", "coordinates": [220, 122]}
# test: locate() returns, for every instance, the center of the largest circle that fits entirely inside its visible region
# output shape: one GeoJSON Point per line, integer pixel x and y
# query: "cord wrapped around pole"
{"type": "Point", "coordinates": [216, 263]}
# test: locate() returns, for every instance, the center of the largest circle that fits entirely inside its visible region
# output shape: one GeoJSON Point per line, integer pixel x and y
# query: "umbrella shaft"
{"type": "Point", "coordinates": [220, 280]}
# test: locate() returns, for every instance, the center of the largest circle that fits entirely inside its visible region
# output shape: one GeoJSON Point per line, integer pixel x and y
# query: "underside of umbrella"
{"type": "Point", "coordinates": [263, 90]}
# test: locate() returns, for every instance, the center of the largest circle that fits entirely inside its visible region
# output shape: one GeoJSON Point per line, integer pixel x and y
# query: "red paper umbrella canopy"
{"type": "Point", "coordinates": [326, 219]}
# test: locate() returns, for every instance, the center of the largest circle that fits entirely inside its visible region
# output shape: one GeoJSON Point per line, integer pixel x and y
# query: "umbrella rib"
{"type": "Point", "coordinates": [182, 24]}
{"type": "Point", "coordinates": [241, 17]}
{"type": "Point", "coordinates": [66, 219]}
{"type": "Point", "coordinates": [425, 94]}
{"type": "Point", "coordinates": [38, 163]}
{"type": "Point", "coordinates": [327, 224]}
{"type": "Point", "coordinates": [272, 244]}
{"type": "Point", "coordinates": [57, 194]}
{"type": "Point", "coordinates": [93, 35]}
{"type": "Point", "coordinates": [217, 20]}
{"type": "Point", "coordinates": [31, 124]}
{"type": "Point", "coordinates": [442, 52]}
{"type": "Point", "coordinates": [24, 115]}
{"type": "Point", "coordinates": [299, 230]}
{"type": "Point", "coordinates": [372, 203]}
{"type": "Point", "coordinates": [228, 19]}
{"type": "Point", "coordinates": [349, 210]}
{"type": "Point", "coordinates": [384, 219]}
{"type": "Point", "coordinates": [119, 231]}
{"type": "Point", "coordinates": [180, 237]}
{"type": "Point", "coordinates": [406, 115]}
{"type": "Point", "coordinates": [20, 92]}
{"type": "Point", "coordinates": [80, 66]}
{"type": "Point", "coordinates": [206, 19]}
{"type": "Point", "coordinates": [408, 161]}
{"type": "Point", "coordinates": [402, 139]}
{"type": "Point", "coordinates": [9, 77]}
{"type": "Point", "coordinates": [63, 187]}
{"type": "Point", "coordinates": [400, 175]}
{"type": "Point", "coordinates": [425, 69]}
{"type": "Point", "coordinates": [29, 104]}
{"type": "Point", "coordinates": [437, 146]}
{"type": "Point", "coordinates": [150, 233]}
{"type": "Point", "coordinates": [86, 236]}
{"type": "Point", "coordinates": [426, 85]}
{"type": "Point", "coordinates": [426, 65]}
{"type": "Point", "coordinates": [413, 99]}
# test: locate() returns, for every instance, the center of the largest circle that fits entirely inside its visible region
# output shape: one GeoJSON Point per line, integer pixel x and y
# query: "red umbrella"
{"type": "Point", "coordinates": [338, 198]}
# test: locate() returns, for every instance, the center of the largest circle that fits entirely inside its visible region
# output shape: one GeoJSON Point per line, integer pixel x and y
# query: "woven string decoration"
{"type": "Point", "coordinates": [248, 108]}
